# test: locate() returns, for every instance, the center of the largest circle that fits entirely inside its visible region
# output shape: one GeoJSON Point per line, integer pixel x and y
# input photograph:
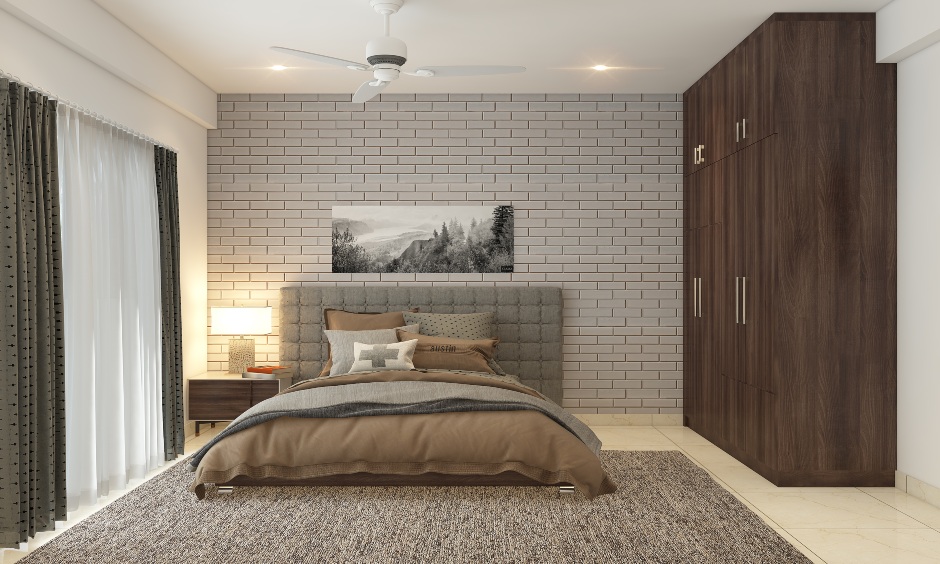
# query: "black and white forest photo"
{"type": "Point", "coordinates": [423, 239]}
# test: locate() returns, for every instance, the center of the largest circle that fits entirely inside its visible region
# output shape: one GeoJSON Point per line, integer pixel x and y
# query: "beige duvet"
{"type": "Point", "coordinates": [462, 443]}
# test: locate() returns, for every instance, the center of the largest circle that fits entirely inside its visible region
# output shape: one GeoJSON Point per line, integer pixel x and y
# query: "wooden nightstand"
{"type": "Point", "coordinates": [219, 396]}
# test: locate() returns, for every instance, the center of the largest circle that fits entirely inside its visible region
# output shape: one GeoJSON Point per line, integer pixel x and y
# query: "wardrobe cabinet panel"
{"type": "Point", "coordinates": [790, 359]}
{"type": "Point", "coordinates": [735, 97]}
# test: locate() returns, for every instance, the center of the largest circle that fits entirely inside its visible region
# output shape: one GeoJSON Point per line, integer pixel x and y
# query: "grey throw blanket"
{"type": "Point", "coordinates": [397, 398]}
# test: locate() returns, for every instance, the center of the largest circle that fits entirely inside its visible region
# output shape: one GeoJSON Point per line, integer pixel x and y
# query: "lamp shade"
{"type": "Point", "coordinates": [241, 321]}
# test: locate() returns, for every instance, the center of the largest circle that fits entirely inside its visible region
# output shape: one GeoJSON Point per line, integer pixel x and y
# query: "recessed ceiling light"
{"type": "Point", "coordinates": [278, 67]}
{"type": "Point", "coordinates": [600, 67]}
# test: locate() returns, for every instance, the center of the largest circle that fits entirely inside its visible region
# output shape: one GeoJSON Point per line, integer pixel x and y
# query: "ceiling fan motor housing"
{"type": "Point", "coordinates": [386, 51]}
{"type": "Point", "coordinates": [387, 7]}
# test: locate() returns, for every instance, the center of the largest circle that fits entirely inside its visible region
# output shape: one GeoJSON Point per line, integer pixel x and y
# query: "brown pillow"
{"type": "Point", "coordinates": [341, 320]}
{"type": "Point", "coordinates": [451, 354]}
{"type": "Point", "coordinates": [352, 321]}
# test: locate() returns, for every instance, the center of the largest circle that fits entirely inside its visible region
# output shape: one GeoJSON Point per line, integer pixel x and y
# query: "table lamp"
{"type": "Point", "coordinates": [241, 321]}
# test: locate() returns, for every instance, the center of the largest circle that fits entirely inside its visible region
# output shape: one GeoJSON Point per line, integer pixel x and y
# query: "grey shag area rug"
{"type": "Point", "coordinates": [666, 510]}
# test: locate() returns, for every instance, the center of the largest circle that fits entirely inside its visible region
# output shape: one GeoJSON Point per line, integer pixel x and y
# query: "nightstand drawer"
{"type": "Point", "coordinates": [224, 400]}
{"type": "Point", "coordinates": [263, 389]}
{"type": "Point", "coordinates": [219, 400]}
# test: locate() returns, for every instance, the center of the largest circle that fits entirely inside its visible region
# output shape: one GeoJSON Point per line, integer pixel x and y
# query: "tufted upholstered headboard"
{"type": "Point", "coordinates": [528, 323]}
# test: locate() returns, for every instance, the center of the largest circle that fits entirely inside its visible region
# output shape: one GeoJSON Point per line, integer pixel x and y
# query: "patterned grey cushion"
{"type": "Point", "coordinates": [528, 323]}
{"type": "Point", "coordinates": [455, 325]}
{"type": "Point", "coordinates": [395, 356]}
{"type": "Point", "coordinates": [343, 343]}
{"type": "Point", "coordinates": [473, 326]}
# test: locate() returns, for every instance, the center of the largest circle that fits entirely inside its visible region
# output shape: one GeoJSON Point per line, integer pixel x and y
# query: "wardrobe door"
{"type": "Point", "coordinates": [737, 97]}
{"type": "Point", "coordinates": [757, 264]}
{"type": "Point", "coordinates": [694, 387]}
{"type": "Point", "coordinates": [711, 317]}
{"type": "Point", "coordinates": [759, 426]}
{"type": "Point", "coordinates": [722, 101]}
{"type": "Point", "coordinates": [689, 311]}
{"type": "Point", "coordinates": [698, 213]}
{"type": "Point", "coordinates": [689, 115]}
{"type": "Point", "coordinates": [756, 87]}
{"type": "Point", "coordinates": [733, 335]}
{"type": "Point", "coordinates": [736, 237]}
{"type": "Point", "coordinates": [696, 102]}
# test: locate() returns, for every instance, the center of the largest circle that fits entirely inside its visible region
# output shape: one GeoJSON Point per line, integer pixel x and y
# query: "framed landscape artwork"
{"type": "Point", "coordinates": [420, 239]}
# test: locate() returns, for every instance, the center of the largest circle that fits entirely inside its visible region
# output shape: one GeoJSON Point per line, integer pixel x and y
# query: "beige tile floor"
{"type": "Point", "coordinates": [832, 525]}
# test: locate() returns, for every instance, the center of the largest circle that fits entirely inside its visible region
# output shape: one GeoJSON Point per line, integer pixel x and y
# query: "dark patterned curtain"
{"type": "Point", "coordinates": [168, 206]}
{"type": "Point", "coordinates": [32, 356]}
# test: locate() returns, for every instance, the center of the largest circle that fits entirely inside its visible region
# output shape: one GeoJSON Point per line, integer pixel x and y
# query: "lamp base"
{"type": "Point", "coordinates": [241, 355]}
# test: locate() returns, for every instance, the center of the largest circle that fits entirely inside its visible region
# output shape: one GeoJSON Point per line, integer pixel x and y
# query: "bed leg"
{"type": "Point", "coordinates": [225, 490]}
{"type": "Point", "coordinates": [566, 489]}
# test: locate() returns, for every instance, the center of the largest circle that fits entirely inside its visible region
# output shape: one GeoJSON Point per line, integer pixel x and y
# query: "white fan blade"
{"type": "Point", "coordinates": [466, 70]}
{"type": "Point", "coordinates": [322, 58]}
{"type": "Point", "coordinates": [368, 90]}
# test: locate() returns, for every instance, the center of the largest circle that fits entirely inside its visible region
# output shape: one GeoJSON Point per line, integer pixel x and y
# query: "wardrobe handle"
{"type": "Point", "coordinates": [736, 280]}
{"type": "Point", "coordinates": [695, 297]}
{"type": "Point", "coordinates": [701, 154]}
{"type": "Point", "coordinates": [744, 129]}
{"type": "Point", "coordinates": [737, 132]}
{"type": "Point", "coordinates": [744, 300]}
{"type": "Point", "coordinates": [700, 297]}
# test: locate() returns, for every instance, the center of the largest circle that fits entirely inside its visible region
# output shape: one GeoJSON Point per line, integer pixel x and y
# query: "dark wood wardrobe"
{"type": "Point", "coordinates": [790, 253]}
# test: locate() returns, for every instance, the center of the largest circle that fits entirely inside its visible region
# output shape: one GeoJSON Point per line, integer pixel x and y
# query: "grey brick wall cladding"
{"type": "Point", "coordinates": [596, 181]}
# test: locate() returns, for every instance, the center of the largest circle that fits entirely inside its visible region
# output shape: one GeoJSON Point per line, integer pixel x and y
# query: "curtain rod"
{"type": "Point", "coordinates": [86, 111]}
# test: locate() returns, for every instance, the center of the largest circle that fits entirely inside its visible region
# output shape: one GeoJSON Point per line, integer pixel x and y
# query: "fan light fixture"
{"type": "Point", "coordinates": [600, 67]}
{"type": "Point", "coordinates": [278, 67]}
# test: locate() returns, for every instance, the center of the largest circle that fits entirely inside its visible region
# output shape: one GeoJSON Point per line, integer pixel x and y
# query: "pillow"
{"type": "Point", "coordinates": [458, 326]}
{"type": "Point", "coordinates": [395, 356]}
{"type": "Point", "coordinates": [454, 325]}
{"type": "Point", "coordinates": [451, 354]}
{"type": "Point", "coordinates": [342, 344]}
{"type": "Point", "coordinates": [354, 321]}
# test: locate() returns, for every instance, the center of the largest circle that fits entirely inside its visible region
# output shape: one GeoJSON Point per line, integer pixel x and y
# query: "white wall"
{"type": "Point", "coordinates": [919, 265]}
{"type": "Point", "coordinates": [45, 61]}
{"type": "Point", "coordinates": [903, 26]}
{"type": "Point", "coordinates": [87, 29]}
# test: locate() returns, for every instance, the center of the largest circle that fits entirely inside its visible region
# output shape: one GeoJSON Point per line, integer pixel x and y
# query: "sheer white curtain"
{"type": "Point", "coordinates": [111, 264]}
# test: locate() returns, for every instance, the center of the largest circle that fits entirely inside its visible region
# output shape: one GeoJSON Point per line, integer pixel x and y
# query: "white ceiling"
{"type": "Point", "coordinates": [664, 45]}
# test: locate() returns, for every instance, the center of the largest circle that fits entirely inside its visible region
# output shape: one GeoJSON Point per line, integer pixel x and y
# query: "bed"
{"type": "Point", "coordinates": [416, 427]}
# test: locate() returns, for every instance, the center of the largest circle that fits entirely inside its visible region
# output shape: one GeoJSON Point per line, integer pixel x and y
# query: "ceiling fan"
{"type": "Point", "coordinates": [387, 54]}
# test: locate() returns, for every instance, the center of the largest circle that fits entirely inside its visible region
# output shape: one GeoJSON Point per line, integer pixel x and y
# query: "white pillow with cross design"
{"type": "Point", "coordinates": [393, 356]}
